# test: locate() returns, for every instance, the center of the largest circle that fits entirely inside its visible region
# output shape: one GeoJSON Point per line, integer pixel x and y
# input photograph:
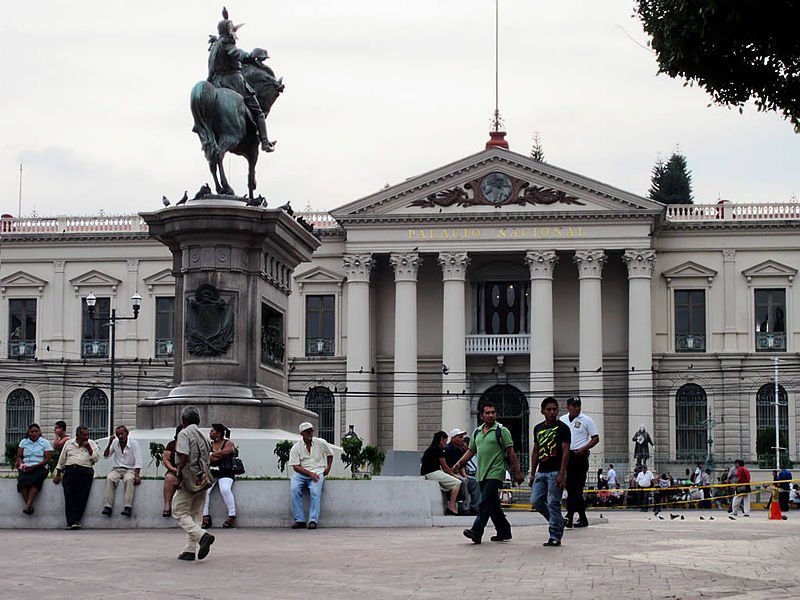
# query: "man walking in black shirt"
{"type": "Point", "coordinates": [549, 459]}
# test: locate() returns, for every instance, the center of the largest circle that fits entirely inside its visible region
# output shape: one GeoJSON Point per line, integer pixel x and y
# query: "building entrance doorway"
{"type": "Point", "coordinates": [512, 412]}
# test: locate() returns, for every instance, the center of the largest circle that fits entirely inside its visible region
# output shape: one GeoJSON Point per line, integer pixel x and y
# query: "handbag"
{"type": "Point", "coordinates": [232, 463]}
{"type": "Point", "coordinates": [238, 466]}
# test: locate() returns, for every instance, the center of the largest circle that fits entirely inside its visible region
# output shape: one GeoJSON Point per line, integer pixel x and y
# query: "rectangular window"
{"type": "Point", "coordinates": [94, 341]}
{"type": "Point", "coordinates": [690, 321]}
{"type": "Point", "coordinates": [770, 319]}
{"type": "Point", "coordinates": [22, 328]}
{"type": "Point", "coordinates": [165, 326]}
{"type": "Point", "coordinates": [320, 325]}
{"type": "Point", "coordinates": [273, 345]}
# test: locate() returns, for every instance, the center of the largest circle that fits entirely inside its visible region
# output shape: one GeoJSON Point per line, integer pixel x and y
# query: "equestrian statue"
{"type": "Point", "coordinates": [231, 106]}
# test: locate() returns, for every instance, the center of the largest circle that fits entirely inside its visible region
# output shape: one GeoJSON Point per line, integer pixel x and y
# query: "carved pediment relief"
{"type": "Point", "coordinates": [770, 268]}
{"type": "Point", "coordinates": [689, 269]}
{"type": "Point", "coordinates": [161, 278]}
{"type": "Point", "coordinates": [318, 275]}
{"type": "Point", "coordinates": [508, 190]}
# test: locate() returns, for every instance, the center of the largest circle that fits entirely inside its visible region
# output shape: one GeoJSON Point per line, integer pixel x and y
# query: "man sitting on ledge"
{"type": "Point", "coordinates": [311, 458]}
{"type": "Point", "coordinates": [126, 461]}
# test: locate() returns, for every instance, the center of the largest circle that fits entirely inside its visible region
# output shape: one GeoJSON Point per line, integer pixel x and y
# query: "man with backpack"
{"type": "Point", "coordinates": [493, 444]}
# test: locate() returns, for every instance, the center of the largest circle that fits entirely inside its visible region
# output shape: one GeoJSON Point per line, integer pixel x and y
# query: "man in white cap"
{"type": "Point", "coordinates": [454, 450]}
{"type": "Point", "coordinates": [311, 458]}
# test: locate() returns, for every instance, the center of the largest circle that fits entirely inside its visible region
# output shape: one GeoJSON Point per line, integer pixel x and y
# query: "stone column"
{"type": "Point", "coordinates": [406, 265]}
{"type": "Point", "coordinates": [361, 405]}
{"type": "Point", "coordinates": [590, 340]}
{"type": "Point", "coordinates": [640, 340]}
{"type": "Point", "coordinates": [455, 405]}
{"type": "Point", "coordinates": [541, 264]}
{"type": "Point", "coordinates": [729, 309]}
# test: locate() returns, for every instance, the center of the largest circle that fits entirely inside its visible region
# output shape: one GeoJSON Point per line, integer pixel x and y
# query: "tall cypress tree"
{"type": "Point", "coordinates": [537, 152]}
{"type": "Point", "coordinates": [671, 182]}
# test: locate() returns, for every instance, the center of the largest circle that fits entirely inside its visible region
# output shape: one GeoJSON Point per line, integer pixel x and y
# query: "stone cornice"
{"type": "Point", "coordinates": [404, 220]}
{"type": "Point", "coordinates": [405, 264]}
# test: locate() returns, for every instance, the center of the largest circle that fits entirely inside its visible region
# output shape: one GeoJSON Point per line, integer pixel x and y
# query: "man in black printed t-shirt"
{"type": "Point", "coordinates": [549, 459]}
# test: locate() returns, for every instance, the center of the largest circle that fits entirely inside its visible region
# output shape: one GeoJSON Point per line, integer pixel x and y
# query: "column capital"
{"type": "Point", "coordinates": [405, 264]}
{"type": "Point", "coordinates": [640, 263]}
{"type": "Point", "coordinates": [454, 265]}
{"type": "Point", "coordinates": [590, 263]}
{"type": "Point", "coordinates": [728, 255]}
{"type": "Point", "coordinates": [541, 263]}
{"type": "Point", "coordinates": [358, 267]}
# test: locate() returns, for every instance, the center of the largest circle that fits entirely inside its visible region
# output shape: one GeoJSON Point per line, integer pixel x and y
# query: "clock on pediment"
{"type": "Point", "coordinates": [496, 187]}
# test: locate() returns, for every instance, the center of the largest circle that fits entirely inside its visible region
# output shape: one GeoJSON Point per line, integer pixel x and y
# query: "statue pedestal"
{"type": "Point", "coordinates": [232, 266]}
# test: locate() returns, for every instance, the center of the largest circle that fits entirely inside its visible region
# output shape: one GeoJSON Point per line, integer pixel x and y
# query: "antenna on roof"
{"type": "Point", "coordinates": [497, 137]}
{"type": "Point", "coordinates": [19, 207]}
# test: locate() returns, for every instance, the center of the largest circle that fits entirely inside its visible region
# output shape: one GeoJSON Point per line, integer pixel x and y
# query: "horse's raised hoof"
{"type": "Point", "coordinates": [268, 146]}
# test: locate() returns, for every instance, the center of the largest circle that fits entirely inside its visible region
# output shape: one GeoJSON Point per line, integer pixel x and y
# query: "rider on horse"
{"type": "Point", "coordinates": [225, 71]}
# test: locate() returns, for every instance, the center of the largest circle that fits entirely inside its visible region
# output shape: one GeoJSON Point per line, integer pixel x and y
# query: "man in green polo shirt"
{"type": "Point", "coordinates": [492, 451]}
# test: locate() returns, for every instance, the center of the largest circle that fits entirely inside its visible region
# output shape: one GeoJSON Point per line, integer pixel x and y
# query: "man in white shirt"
{"type": "Point", "coordinates": [612, 478]}
{"type": "Point", "coordinates": [126, 464]}
{"type": "Point", "coordinates": [584, 437]}
{"type": "Point", "coordinates": [311, 458]}
{"type": "Point", "coordinates": [644, 480]}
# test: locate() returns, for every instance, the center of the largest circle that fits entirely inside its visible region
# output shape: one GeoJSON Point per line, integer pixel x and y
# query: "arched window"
{"type": "Point", "coordinates": [94, 412]}
{"type": "Point", "coordinates": [512, 412]}
{"type": "Point", "coordinates": [765, 425]}
{"type": "Point", "coordinates": [19, 414]}
{"type": "Point", "coordinates": [691, 423]}
{"type": "Point", "coordinates": [320, 400]}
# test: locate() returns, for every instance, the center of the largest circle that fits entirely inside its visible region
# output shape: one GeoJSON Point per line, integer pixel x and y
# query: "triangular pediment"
{"type": "Point", "coordinates": [770, 268]}
{"type": "Point", "coordinates": [94, 277]}
{"type": "Point", "coordinates": [496, 182]}
{"type": "Point", "coordinates": [22, 279]}
{"type": "Point", "coordinates": [689, 269]}
{"type": "Point", "coordinates": [318, 275]}
{"type": "Point", "coordinates": [163, 277]}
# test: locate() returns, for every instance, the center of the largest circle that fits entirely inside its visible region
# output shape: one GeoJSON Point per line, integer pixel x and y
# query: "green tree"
{"type": "Point", "coordinates": [537, 152]}
{"type": "Point", "coordinates": [737, 50]}
{"type": "Point", "coordinates": [671, 182]}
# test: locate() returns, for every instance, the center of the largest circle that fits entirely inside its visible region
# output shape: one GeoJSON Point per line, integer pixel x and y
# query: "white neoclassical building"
{"type": "Point", "coordinates": [495, 278]}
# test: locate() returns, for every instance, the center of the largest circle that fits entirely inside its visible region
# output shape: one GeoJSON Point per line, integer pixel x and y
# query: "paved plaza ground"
{"type": "Point", "coordinates": [632, 555]}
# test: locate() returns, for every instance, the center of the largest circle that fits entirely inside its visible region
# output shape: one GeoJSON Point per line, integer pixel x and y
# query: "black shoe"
{"type": "Point", "coordinates": [582, 523]}
{"type": "Point", "coordinates": [298, 525]}
{"type": "Point", "coordinates": [106, 511]}
{"type": "Point", "coordinates": [186, 556]}
{"type": "Point", "coordinates": [500, 538]}
{"type": "Point", "coordinates": [731, 517]}
{"type": "Point", "coordinates": [126, 512]}
{"type": "Point", "coordinates": [552, 542]}
{"type": "Point", "coordinates": [74, 526]}
{"type": "Point", "coordinates": [207, 524]}
{"type": "Point", "coordinates": [312, 525]}
{"type": "Point", "coordinates": [205, 545]}
{"type": "Point", "coordinates": [468, 533]}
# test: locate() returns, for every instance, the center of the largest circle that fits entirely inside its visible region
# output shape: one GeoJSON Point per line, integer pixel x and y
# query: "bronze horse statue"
{"type": "Point", "coordinates": [223, 123]}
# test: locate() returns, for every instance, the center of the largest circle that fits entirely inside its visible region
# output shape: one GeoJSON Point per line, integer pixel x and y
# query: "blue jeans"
{"type": "Point", "coordinates": [298, 484]}
{"type": "Point", "coordinates": [546, 498]}
{"type": "Point", "coordinates": [489, 508]}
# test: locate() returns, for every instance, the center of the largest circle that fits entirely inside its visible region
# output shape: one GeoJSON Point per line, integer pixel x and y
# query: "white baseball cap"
{"type": "Point", "coordinates": [304, 426]}
{"type": "Point", "coordinates": [456, 431]}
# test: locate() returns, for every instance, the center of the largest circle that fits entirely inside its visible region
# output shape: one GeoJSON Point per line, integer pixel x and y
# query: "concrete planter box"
{"type": "Point", "coordinates": [380, 502]}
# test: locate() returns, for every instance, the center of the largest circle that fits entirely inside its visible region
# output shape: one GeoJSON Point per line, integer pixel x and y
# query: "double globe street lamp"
{"type": "Point", "coordinates": [111, 321]}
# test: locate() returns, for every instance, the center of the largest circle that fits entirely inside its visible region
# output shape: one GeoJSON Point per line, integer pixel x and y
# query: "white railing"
{"type": "Point", "coordinates": [320, 220]}
{"type": "Point", "coordinates": [498, 344]}
{"type": "Point", "coordinates": [726, 211]}
{"type": "Point", "coordinates": [96, 224]}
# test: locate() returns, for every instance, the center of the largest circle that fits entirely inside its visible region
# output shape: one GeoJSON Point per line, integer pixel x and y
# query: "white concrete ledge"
{"type": "Point", "coordinates": [380, 502]}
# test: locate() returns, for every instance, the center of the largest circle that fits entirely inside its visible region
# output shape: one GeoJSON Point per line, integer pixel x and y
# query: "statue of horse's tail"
{"type": "Point", "coordinates": [202, 102]}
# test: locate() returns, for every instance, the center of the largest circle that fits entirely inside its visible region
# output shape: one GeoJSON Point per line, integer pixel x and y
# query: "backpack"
{"type": "Point", "coordinates": [499, 434]}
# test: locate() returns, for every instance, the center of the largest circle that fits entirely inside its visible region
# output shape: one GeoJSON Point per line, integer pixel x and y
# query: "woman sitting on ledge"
{"type": "Point", "coordinates": [33, 456]}
{"type": "Point", "coordinates": [434, 467]}
{"type": "Point", "coordinates": [222, 452]}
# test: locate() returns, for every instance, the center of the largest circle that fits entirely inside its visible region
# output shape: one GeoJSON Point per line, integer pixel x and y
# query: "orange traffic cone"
{"type": "Point", "coordinates": [775, 508]}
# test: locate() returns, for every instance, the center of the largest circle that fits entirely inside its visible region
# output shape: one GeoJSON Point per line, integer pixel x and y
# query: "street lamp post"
{"type": "Point", "coordinates": [136, 303]}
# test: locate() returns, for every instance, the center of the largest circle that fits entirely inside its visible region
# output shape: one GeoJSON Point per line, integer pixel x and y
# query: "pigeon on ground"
{"type": "Point", "coordinates": [672, 516]}
{"type": "Point", "coordinates": [660, 517]}
{"type": "Point", "coordinates": [164, 201]}
{"type": "Point", "coordinates": [184, 199]}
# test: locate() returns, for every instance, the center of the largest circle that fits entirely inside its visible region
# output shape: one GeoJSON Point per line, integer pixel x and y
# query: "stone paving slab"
{"type": "Point", "coordinates": [631, 556]}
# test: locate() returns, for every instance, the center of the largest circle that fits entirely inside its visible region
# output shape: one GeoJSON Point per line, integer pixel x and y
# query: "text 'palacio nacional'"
{"type": "Point", "coordinates": [495, 277]}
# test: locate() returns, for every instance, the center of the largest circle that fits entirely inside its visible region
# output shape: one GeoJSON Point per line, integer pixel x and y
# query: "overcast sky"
{"type": "Point", "coordinates": [95, 100]}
